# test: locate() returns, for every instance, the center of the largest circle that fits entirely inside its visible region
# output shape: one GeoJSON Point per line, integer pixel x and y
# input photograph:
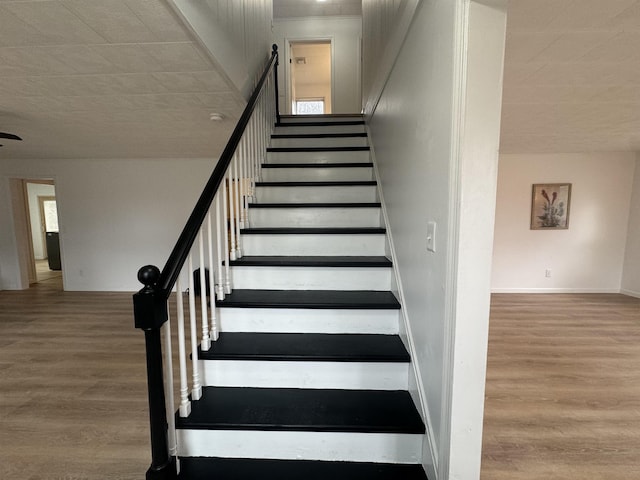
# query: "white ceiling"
{"type": "Point", "coordinates": [107, 78]}
{"type": "Point", "coordinates": [572, 76]}
{"type": "Point", "coordinates": [124, 78]}
{"type": "Point", "coordinates": [314, 8]}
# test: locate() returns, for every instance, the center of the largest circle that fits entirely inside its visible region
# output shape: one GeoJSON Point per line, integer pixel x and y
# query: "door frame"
{"type": "Point", "coordinates": [25, 256]}
{"type": "Point", "coordinates": [287, 66]}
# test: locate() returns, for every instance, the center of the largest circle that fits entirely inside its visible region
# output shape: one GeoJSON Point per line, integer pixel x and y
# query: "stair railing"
{"type": "Point", "coordinates": [216, 223]}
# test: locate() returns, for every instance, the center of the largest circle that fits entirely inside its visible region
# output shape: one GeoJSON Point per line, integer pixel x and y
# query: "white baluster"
{"type": "Point", "coordinates": [225, 231]}
{"type": "Point", "coordinates": [255, 157]}
{"type": "Point", "coordinates": [212, 283]}
{"type": "Point", "coordinates": [244, 176]}
{"type": "Point", "coordinates": [219, 230]}
{"type": "Point", "coordinates": [232, 230]}
{"type": "Point", "coordinates": [168, 382]}
{"type": "Point", "coordinates": [185, 405]}
{"type": "Point", "coordinates": [205, 343]}
{"type": "Point", "coordinates": [196, 388]}
{"type": "Point", "coordinates": [252, 168]}
{"type": "Point", "coordinates": [236, 198]}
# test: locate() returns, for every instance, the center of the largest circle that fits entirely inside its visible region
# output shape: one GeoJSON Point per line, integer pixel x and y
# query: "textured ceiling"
{"type": "Point", "coordinates": [124, 78]}
{"type": "Point", "coordinates": [107, 78]}
{"type": "Point", "coordinates": [572, 76]}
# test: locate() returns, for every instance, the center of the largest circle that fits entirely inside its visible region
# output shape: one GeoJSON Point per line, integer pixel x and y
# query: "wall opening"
{"type": "Point", "coordinates": [44, 260]}
{"type": "Point", "coordinates": [310, 77]}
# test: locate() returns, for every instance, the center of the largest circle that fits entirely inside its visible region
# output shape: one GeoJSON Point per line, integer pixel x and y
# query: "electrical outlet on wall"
{"type": "Point", "coordinates": [547, 273]}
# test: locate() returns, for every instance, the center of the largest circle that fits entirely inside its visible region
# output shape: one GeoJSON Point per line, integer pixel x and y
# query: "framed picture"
{"type": "Point", "coordinates": [550, 203]}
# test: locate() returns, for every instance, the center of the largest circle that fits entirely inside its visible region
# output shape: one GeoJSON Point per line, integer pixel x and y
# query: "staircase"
{"type": "Point", "coordinates": [309, 377]}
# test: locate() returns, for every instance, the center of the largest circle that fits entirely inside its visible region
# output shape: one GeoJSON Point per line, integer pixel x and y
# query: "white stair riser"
{"type": "Point", "coordinates": [342, 156]}
{"type": "Point", "coordinates": [320, 142]}
{"type": "Point", "coordinates": [301, 320]}
{"type": "Point", "coordinates": [289, 374]}
{"type": "Point", "coordinates": [317, 174]}
{"type": "Point", "coordinates": [294, 130]}
{"type": "Point", "coordinates": [313, 244]}
{"type": "Point", "coordinates": [329, 194]}
{"type": "Point", "coordinates": [288, 119]}
{"type": "Point", "coordinates": [336, 446]}
{"type": "Point", "coordinates": [315, 217]}
{"type": "Point", "coordinates": [312, 278]}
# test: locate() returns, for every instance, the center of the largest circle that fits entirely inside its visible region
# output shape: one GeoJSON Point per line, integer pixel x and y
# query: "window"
{"type": "Point", "coordinates": [310, 106]}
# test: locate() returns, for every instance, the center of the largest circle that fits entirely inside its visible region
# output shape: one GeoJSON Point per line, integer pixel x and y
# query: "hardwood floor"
{"type": "Point", "coordinates": [563, 388]}
{"type": "Point", "coordinates": [72, 387]}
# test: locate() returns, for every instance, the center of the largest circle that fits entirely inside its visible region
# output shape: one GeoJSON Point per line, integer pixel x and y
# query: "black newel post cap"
{"type": "Point", "coordinates": [149, 276]}
{"type": "Point", "coordinates": [149, 304]}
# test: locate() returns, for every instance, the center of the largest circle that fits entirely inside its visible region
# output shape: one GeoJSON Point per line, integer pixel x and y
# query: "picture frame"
{"type": "Point", "coordinates": [550, 206]}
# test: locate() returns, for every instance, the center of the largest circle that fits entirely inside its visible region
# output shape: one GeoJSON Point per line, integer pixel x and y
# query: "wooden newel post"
{"type": "Point", "coordinates": [150, 313]}
{"type": "Point", "coordinates": [274, 51]}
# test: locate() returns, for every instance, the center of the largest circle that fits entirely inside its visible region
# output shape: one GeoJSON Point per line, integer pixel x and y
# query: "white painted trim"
{"type": "Point", "coordinates": [414, 370]}
{"type": "Point", "coordinates": [630, 293]}
{"type": "Point", "coordinates": [305, 445]}
{"type": "Point", "coordinates": [556, 290]}
{"type": "Point", "coordinates": [287, 66]}
{"type": "Point", "coordinates": [389, 56]}
{"type": "Point", "coordinates": [459, 54]}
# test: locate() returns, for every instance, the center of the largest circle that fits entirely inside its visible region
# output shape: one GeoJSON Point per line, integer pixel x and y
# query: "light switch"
{"type": "Point", "coordinates": [431, 236]}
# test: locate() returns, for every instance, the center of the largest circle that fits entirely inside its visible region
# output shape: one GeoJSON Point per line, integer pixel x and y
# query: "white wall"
{"type": "Point", "coordinates": [437, 164]}
{"type": "Point", "coordinates": [588, 256]}
{"type": "Point", "coordinates": [237, 33]}
{"type": "Point", "coordinates": [385, 24]}
{"type": "Point", "coordinates": [114, 215]}
{"type": "Point", "coordinates": [345, 33]}
{"type": "Point", "coordinates": [631, 271]}
{"type": "Point", "coordinates": [476, 200]}
{"type": "Point", "coordinates": [34, 191]}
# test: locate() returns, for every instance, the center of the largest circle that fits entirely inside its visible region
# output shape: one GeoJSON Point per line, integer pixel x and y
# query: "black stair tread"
{"type": "Point", "coordinates": [313, 230]}
{"type": "Point", "coordinates": [210, 468]}
{"type": "Point", "coordinates": [318, 149]}
{"type": "Point", "coordinates": [287, 116]}
{"type": "Point", "coordinates": [313, 347]}
{"type": "Point", "coordinates": [319, 135]}
{"type": "Point", "coordinates": [316, 205]}
{"type": "Point", "coordinates": [318, 165]}
{"type": "Point", "coordinates": [312, 261]}
{"type": "Point", "coordinates": [298, 409]}
{"type": "Point", "coordinates": [313, 299]}
{"type": "Point", "coordinates": [320, 124]}
{"type": "Point", "coordinates": [357, 183]}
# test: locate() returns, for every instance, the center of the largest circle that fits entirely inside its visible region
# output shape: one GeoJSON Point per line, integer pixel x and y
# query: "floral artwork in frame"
{"type": "Point", "coordinates": [550, 204]}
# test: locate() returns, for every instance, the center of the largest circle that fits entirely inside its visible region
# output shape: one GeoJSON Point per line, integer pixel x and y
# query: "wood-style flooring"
{"type": "Point", "coordinates": [72, 387]}
{"type": "Point", "coordinates": [563, 388]}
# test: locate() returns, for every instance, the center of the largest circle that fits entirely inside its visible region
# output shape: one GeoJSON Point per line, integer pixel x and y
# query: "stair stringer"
{"type": "Point", "coordinates": [416, 387]}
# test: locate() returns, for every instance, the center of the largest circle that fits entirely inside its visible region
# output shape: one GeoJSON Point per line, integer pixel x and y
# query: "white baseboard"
{"type": "Point", "coordinates": [630, 293]}
{"type": "Point", "coordinates": [555, 290]}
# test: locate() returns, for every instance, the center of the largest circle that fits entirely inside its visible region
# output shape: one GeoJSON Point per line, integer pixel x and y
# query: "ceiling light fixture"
{"type": "Point", "coordinates": [216, 117]}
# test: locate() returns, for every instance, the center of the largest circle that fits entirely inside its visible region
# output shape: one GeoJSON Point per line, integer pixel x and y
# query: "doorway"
{"type": "Point", "coordinates": [45, 263]}
{"type": "Point", "coordinates": [310, 77]}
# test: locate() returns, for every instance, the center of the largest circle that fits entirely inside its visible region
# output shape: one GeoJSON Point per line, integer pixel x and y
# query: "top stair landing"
{"type": "Point", "coordinates": [331, 118]}
{"type": "Point", "coordinates": [319, 124]}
